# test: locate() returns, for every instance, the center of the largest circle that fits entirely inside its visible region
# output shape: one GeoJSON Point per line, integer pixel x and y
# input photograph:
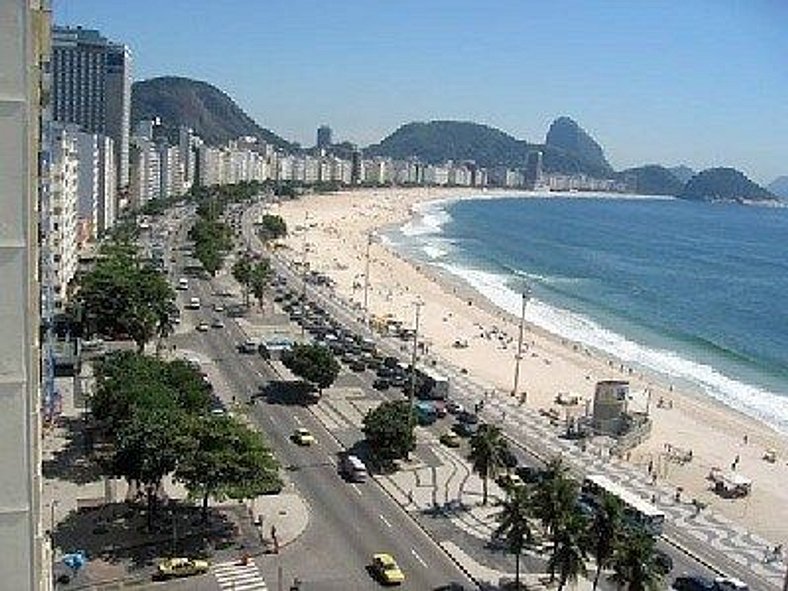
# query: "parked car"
{"type": "Point", "coordinates": [454, 407]}
{"type": "Point", "coordinates": [381, 384]}
{"type": "Point", "coordinates": [450, 439]}
{"type": "Point", "coordinates": [730, 584]}
{"type": "Point", "coordinates": [203, 327]}
{"type": "Point", "coordinates": [693, 583]}
{"type": "Point", "coordinates": [665, 563]}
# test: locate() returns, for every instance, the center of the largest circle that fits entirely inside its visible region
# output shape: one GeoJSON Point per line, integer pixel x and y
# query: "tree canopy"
{"type": "Point", "coordinates": [122, 298]}
{"type": "Point", "coordinates": [389, 431]}
{"type": "Point", "coordinates": [314, 363]}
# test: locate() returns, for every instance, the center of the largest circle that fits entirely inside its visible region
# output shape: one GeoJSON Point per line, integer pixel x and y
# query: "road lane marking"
{"type": "Point", "coordinates": [332, 461]}
{"type": "Point", "coordinates": [419, 558]}
{"type": "Point", "coordinates": [297, 419]}
{"type": "Point", "coordinates": [388, 523]}
{"type": "Point", "coordinates": [357, 489]}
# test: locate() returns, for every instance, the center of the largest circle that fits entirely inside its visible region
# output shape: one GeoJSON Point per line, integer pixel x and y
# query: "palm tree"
{"type": "Point", "coordinates": [514, 526]}
{"type": "Point", "coordinates": [487, 454]}
{"type": "Point", "coordinates": [634, 562]}
{"type": "Point", "coordinates": [242, 271]}
{"type": "Point", "coordinates": [555, 500]}
{"type": "Point", "coordinates": [569, 552]}
{"type": "Point", "coordinates": [604, 532]}
{"type": "Point", "coordinates": [259, 276]}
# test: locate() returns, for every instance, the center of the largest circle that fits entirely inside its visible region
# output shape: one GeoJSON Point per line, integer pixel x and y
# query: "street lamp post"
{"type": "Point", "coordinates": [412, 393]}
{"type": "Point", "coordinates": [519, 355]}
{"type": "Point", "coordinates": [366, 280]}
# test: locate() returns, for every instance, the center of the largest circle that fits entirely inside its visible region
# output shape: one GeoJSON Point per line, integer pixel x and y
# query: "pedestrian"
{"type": "Point", "coordinates": [651, 467]}
{"type": "Point", "coordinates": [746, 439]}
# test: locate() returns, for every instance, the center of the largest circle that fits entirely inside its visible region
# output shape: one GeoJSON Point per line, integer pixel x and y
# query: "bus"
{"type": "Point", "coordinates": [637, 511]}
{"type": "Point", "coordinates": [431, 385]}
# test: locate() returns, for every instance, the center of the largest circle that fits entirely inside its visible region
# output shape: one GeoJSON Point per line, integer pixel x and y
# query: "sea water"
{"type": "Point", "coordinates": [694, 292]}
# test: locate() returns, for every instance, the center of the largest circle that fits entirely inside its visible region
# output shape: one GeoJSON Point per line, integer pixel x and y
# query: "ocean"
{"type": "Point", "coordinates": [694, 292]}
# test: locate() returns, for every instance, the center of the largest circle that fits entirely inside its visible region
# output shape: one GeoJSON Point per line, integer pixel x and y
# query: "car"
{"type": "Point", "coordinates": [302, 436]}
{"type": "Point", "coordinates": [217, 323]}
{"type": "Point", "coordinates": [530, 474]}
{"type": "Point", "coordinates": [387, 569]}
{"type": "Point", "coordinates": [693, 583]}
{"type": "Point", "coordinates": [248, 346]}
{"type": "Point", "coordinates": [464, 429]}
{"type": "Point", "coordinates": [181, 567]}
{"type": "Point", "coordinates": [381, 384]}
{"type": "Point", "coordinates": [730, 584]}
{"type": "Point", "coordinates": [664, 562]}
{"type": "Point", "coordinates": [467, 417]}
{"type": "Point", "coordinates": [450, 439]}
{"type": "Point", "coordinates": [508, 459]}
{"type": "Point", "coordinates": [454, 407]}
{"type": "Point", "coordinates": [510, 481]}
{"type": "Point", "coordinates": [218, 308]}
{"type": "Point", "coordinates": [203, 327]}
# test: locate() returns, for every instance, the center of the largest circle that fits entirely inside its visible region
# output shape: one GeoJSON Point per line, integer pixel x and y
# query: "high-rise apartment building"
{"type": "Point", "coordinates": [91, 86]}
{"type": "Point", "coordinates": [97, 187]}
{"type": "Point", "coordinates": [25, 560]}
{"type": "Point", "coordinates": [64, 182]}
{"type": "Point", "coordinates": [323, 137]}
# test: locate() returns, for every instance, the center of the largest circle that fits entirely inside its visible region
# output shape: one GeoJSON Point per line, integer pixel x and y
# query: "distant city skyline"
{"type": "Point", "coordinates": [701, 83]}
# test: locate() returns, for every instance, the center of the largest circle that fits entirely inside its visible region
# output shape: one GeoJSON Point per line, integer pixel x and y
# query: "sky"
{"type": "Point", "coordinates": [699, 82]}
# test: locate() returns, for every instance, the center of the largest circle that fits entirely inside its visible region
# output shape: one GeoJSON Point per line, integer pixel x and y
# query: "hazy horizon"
{"type": "Point", "coordinates": [702, 85]}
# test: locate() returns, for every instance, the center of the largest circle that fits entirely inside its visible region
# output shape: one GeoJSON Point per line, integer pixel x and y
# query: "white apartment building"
{"type": "Point", "coordinates": [436, 175]}
{"type": "Point", "coordinates": [25, 557]}
{"type": "Point", "coordinates": [97, 187]}
{"type": "Point", "coordinates": [376, 171]}
{"type": "Point", "coordinates": [170, 171]}
{"type": "Point", "coordinates": [64, 179]}
{"type": "Point", "coordinates": [144, 171]}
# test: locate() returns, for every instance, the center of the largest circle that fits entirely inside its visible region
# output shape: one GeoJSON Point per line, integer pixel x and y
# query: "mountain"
{"type": "Point", "coordinates": [213, 115]}
{"type": "Point", "coordinates": [724, 184]}
{"type": "Point", "coordinates": [681, 172]}
{"type": "Point", "coordinates": [437, 141]}
{"type": "Point", "coordinates": [566, 135]}
{"type": "Point", "coordinates": [651, 179]}
{"type": "Point", "coordinates": [779, 187]}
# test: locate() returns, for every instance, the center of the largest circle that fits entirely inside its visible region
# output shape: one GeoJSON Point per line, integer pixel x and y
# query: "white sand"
{"type": "Point", "coordinates": [337, 226]}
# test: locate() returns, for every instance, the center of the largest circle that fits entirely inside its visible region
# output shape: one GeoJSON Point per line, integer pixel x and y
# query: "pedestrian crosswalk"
{"type": "Point", "coordinates": [235, 576]}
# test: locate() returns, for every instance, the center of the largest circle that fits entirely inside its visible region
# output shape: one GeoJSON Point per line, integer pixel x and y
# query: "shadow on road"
{"type": "Point", "coordinates": [287, 393]}
{"type": "Point", "coordinates": [118, 532]}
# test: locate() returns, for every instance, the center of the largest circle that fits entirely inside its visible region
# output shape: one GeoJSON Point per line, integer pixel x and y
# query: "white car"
{"type": "Point", "coordinates": [203, 327]}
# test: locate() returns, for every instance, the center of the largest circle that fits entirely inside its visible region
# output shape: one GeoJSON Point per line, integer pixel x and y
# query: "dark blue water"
{"type": "Point", "coordinates": [695, 291]}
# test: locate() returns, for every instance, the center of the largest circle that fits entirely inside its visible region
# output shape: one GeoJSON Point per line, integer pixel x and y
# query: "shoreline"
{"type": "Point", "coordinates": [551, 364]}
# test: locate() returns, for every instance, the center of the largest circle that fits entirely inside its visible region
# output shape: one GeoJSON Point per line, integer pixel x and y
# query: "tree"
{"type": "Point", "coordinates": [272, 227]}
{"type": "Point", "coordinates": [226, 459]}
{"type": "Point", "coordinates": [389, 431]}
{"type": "Point", "coordinates": [514, 526]}
{"type": "Point", "coordinates": [488, 449]}
{"type": "Point", "coordinates": [604, 532]}
{"type": "Point", "coordinates": [259, 277]}
{"type": "Point", "coordinates": [242, 271]}
{"type": "Point", "coordinates": [313, 363]}
{"type": "Point", "coordinates": [120, 298]}
{"type": "Point", "coordinates": [147, 448]}
{"type": "Point", "coordinates": [569, 552]}
{"type": "Point", "coordinates": [634, 562]}
{"type": "Point", "coordinates": [554, 501]}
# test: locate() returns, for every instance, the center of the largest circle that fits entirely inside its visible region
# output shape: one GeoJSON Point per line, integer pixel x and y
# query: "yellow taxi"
{"type": "Point", "coordinates": [387, 569]}
{"type": "Point", "coordinates": [181, 567]}
{"type": "Point", "coordinates": [302, 436]}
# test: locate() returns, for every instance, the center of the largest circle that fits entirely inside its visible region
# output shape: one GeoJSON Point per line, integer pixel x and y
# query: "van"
{"type": "Point", "coordinates": [353, 469]}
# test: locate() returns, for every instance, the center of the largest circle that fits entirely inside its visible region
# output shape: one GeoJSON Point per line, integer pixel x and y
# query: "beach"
{"type": "Point", "coordinates": [332, 232]}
